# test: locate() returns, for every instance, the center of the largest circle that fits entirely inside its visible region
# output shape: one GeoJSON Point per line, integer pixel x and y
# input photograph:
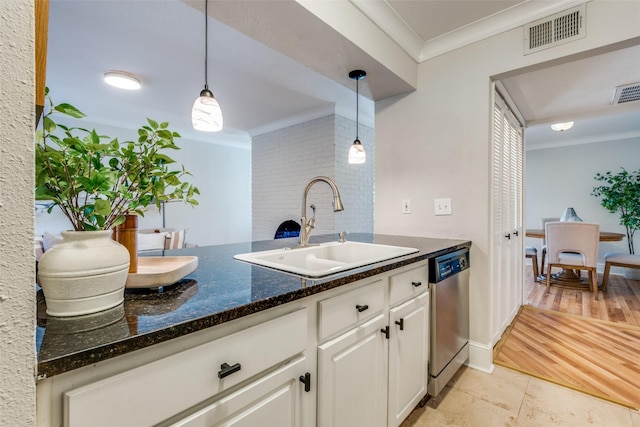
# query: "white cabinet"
{"type": "Point", "coordinates": [352, 377]}
{"type": "Point", "coordinates": [352, 369]}
{"type": "Point", "coordinates": [272, 400]}
{"type": "Point", "coordinates": [408, 357]}
{"type": "Point", "coordinates": [159, 391]}
{"type": "Point", "coordinates": [364, 348]}
{"type": "Point", "coordinates": [375, 371]}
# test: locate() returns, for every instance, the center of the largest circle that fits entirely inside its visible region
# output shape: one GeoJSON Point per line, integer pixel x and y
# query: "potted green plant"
{"type": "Point", "coordinates": [97, 181]}
{"type": "Point", "coordinates": [620, 193]}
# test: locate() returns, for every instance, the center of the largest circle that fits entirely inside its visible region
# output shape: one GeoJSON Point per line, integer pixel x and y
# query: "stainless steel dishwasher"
{"type": "Point", "coordinates": [449, 349]}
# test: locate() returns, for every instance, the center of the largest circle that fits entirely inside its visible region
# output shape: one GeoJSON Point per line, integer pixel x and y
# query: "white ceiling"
{"type": "Point", "coordinates": [260, 89]}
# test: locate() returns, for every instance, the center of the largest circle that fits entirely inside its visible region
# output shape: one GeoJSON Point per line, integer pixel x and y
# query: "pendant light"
{"type": "Point", "coordinates": [206, 114]}
{"type": "Point", "coordinates": [356, 152]}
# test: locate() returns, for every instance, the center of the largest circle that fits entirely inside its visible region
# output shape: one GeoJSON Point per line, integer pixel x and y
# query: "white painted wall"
{"type": "Point", "coordinates": [557, 178]}
{"type": "Point", "coordinates": [435, 143]}
{"type": "Point", "coordinates": [17, 260]}
{"type": "Point", "coordinates": [222, 173]}
{"type": "Point", "coordinates": [284, 161]}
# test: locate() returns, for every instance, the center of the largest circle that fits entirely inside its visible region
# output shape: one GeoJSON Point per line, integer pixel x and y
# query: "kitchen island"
{"type": "Point", "coordinates": [223, 296]}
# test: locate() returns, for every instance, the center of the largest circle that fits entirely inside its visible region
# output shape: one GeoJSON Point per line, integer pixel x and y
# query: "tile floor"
{"type": "Point", "coordinates": [509, 398]}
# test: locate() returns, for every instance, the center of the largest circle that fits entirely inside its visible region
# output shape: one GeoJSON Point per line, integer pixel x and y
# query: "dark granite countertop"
{"type": "Point", "coordinates": [219, 290]}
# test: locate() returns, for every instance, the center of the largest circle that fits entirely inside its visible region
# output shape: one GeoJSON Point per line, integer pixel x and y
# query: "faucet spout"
{"type": "Point", "coordinates": [307, 225]}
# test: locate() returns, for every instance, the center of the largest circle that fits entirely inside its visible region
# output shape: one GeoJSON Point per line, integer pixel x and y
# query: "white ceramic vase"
{"type": "Point", "coordinates": [85, 273]}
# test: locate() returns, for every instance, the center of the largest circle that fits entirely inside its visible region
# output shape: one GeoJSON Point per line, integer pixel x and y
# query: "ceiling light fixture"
{"type": "Point", "coordinates": [559, 127]}
{"type": "Point", "coordinates": [206, 114]}
{"type": "Point", "coordinates": [122, 80]}
{"type": "Point", "coordinates": [357, 154]}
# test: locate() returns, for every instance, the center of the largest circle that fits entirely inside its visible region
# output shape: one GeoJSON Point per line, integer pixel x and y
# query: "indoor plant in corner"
{"type": "Point", "coordinates": [96, 181]}
{"type": "Point", "coordinates": [621, 193]}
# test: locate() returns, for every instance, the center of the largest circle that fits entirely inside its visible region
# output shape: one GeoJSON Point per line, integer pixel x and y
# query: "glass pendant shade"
{"type": "Point", "coordinates": [357, 154]}
{"type": "Point", "coordinates": [206, 114]}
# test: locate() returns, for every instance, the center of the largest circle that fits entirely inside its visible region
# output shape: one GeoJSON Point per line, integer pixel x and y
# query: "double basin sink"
{"type": "Point", "coordinates": [325, 259]}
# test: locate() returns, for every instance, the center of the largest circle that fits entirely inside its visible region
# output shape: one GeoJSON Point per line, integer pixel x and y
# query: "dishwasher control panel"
{"type": "Point", "coordinates": [449, 264]}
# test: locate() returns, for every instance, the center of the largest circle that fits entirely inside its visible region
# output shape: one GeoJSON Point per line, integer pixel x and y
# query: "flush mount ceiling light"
{"type": "Point", "coordinates": [357, 154]}
{"type": "Point", "coordinates": [206, 114]}
{"type": "Point", "coordinates": [122, 80]}
{"type": "Point", "coordinates": [559, 127]}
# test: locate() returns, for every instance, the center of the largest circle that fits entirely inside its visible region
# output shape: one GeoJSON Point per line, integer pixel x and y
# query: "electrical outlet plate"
{"type": "Point", "coordinates": [442, 206]}
{"type": "Point", "coordinates": [406, 206]}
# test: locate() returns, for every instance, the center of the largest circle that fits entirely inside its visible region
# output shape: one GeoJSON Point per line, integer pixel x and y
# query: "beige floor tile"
{"type": "Point", "coordinates": [508, 398]}
{"type": "Point", "coordinates": [456, 408]}
{"type": "Point", "coordinates": [503, 387]}
{"type": "Point", "coordinates": [547, 404]}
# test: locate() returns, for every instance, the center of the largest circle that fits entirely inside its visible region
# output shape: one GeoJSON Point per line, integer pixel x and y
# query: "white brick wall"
{"type": "Point", "coordinates": [356, 182]}
{"type": "Point", "coordinates": [283, 163]}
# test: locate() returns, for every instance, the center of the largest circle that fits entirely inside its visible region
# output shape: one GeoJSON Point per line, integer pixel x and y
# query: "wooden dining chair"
{"type": "Point", "coordinates": [618, 259]}
{"type": "Point", "coordinates": [573, 245]}
{"type": "Point", "coordinates": [531, 252]}
{"type": "Point", "coordinates": [543, 248]}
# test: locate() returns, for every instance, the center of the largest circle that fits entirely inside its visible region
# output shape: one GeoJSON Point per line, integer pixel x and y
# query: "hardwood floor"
{"type": "Point", "coordinates": [593, 356]}
{"type": "Point", "coordinates": [620, 303]}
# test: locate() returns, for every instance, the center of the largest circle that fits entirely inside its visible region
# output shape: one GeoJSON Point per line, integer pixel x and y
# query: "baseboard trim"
{"type": "Point", "coordinates": [481, 357]}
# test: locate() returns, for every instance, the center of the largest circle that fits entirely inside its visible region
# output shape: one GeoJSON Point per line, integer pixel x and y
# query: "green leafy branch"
{"type": "Point", "coordinates": [96, 180]}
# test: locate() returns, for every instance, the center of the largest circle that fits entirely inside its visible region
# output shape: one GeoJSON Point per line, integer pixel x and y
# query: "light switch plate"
{"type": "Point", "coordinates": [442, 206]}
{"type": "Point", "coordinates": [406, 206]}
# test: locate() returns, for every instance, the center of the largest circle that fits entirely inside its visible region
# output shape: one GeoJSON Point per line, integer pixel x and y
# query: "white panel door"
{"type": "Point", "coordinates": [408, 357]}
{"type": "Point", "coordinates": [352, 377]}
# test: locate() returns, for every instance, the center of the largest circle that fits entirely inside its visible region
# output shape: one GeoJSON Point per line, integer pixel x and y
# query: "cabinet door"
{"type": "Point", "coordinates": [273, 400]}
{"type": "Point", "coordinates": [408, 357]}
{"type": "Point", "coordinates": [352, 377]}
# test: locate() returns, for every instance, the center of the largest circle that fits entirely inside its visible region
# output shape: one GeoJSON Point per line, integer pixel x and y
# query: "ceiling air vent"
{"type": "Point", "coordinates": [554, 30]}
{"type": "Point", "coordinates": [627, 93]}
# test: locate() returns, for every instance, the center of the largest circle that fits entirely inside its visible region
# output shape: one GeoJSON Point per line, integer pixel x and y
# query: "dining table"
{"type": "Point", "coordinates": [567, 276]}
{"type": "Point", "coordinates": [605, 236]}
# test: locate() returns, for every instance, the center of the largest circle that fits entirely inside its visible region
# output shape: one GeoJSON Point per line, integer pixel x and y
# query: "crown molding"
{"type": "Point", "coordinates": [392, 24]}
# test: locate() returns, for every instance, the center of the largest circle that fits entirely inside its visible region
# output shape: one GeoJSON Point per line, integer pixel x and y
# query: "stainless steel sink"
{"type": "Point", "coordinates": [325, 259]}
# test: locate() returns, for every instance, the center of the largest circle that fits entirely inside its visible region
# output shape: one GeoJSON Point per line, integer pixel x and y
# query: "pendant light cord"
{"type": "Point", "coordinates": [206, 41]}
{"type": "Point", "coordinates": [357, 106]}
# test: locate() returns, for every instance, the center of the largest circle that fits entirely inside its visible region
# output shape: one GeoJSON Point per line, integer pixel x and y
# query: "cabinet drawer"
{"type": "Point", "coordinates": [346, 310]}
{"type": "Point", "coordinates": [408, 284]}
{"type": "Point", "coordinates": [271, 400]}
{"type": "Point", "coordinates": [159, 390]}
